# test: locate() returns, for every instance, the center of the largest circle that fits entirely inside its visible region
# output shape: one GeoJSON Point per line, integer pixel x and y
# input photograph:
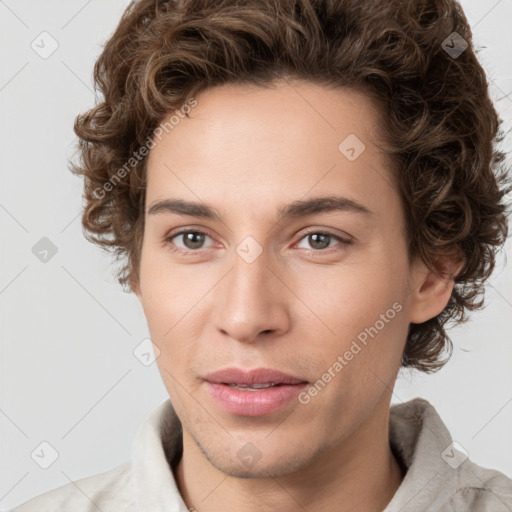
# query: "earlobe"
{"type": "Point", "coordinates": [432, 289]}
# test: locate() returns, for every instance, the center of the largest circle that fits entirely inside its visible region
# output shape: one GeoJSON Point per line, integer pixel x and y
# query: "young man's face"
{"type": "Point", "coordinates": [261, 292]}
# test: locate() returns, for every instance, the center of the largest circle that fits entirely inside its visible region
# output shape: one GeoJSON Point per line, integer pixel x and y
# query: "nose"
{"type": "Point", "coordinates": [250, 301]}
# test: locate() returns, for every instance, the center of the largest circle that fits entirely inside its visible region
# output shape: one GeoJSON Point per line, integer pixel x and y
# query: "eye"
{"type": "Point", "coordinates": [192, 239]}
{"type": "Point", "coordinates": [321, 240]}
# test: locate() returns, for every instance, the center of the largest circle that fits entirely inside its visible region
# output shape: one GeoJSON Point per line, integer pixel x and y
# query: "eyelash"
{"type": "Point", "coordinates": [192, 252]}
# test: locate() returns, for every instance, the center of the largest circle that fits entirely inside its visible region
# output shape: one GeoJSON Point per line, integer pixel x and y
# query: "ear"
{"type": "Point", "coordinates": [432, 289]}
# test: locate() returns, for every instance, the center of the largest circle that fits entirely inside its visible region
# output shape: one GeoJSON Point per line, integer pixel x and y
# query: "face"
{"type": "Point", "coordinates": [320, 293]}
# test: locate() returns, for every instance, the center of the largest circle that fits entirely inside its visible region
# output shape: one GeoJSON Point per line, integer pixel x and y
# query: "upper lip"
{"type": "Point", "coordinates": [254, 376]}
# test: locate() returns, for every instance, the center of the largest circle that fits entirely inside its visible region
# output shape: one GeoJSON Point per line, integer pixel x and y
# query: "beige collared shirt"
{"type": "Point", "coordinates": [439, 477]}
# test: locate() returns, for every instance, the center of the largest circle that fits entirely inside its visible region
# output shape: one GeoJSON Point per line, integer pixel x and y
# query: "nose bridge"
{"type": "Point", "coordinates": [249, 301]}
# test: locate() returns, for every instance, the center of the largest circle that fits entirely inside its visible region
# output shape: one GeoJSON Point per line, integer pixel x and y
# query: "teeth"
{"type": "Point", "coordinates": [253, 387]}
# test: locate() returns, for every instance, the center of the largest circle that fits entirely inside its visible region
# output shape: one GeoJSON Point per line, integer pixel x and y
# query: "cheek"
{"type": "Point", "coordinates": [363, 305]}
{"type": "Point", "coordinates": [365, 309]}
{"type": "Point", "coordinates": [168, 291]}
{"type": "Point", "coordinates": [173, 300]}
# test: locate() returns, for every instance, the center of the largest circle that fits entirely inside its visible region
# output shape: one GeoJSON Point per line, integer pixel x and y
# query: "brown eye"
{"type": "Point", "coordinates": [319, 241]}
{"type": "Point", "coordinates": [191, 240]}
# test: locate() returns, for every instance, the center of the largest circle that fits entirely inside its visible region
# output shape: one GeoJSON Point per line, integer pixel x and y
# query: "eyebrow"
{"type": "Point", "coordinates": [295, 209]}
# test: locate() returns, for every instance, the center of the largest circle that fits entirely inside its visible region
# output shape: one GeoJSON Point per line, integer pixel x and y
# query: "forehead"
{"type": "Point", "coordinates": [252, 145]}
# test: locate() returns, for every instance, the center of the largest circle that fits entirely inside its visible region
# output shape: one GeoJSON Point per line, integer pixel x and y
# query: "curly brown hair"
{"type": "Point", "coordinates": [439, 124]}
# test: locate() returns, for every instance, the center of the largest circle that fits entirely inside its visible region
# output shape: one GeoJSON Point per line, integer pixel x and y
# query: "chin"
{"type": "Point", "coordinates": [239, 466]}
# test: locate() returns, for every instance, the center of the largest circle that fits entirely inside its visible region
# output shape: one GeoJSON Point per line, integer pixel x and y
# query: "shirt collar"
{"type": "Point", "coordinates": [420, 438]}
{"type": "Point", "coordinates": [155, 488]}
{"type": "Point", "coordinates": [416, 432]}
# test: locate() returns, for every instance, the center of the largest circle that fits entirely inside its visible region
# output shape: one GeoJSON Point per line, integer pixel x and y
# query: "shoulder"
{"type": "Point", "coordinates": [109, 491]}
{"type": "Point", "coordinates": [440, 476]}
{"type": "Point", "coordinates": [481, 489]}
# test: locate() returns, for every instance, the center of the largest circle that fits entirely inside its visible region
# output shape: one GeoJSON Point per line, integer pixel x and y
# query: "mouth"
{"type": "Point", "coordinates": [254, 392]}
{"type": "Point", "coordinates": [255, 387]}
{"type": "Point", "coordinates": [254, 379]}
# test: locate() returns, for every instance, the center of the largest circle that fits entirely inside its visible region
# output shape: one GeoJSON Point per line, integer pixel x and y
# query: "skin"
{"type": "Point", "coordinates": [246, 151]}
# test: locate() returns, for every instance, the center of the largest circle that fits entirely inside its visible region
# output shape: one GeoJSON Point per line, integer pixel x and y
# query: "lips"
{"type": "Point", "coordinates": [256, 379]}
{"type": "Point", "coordinates": [257, 392]}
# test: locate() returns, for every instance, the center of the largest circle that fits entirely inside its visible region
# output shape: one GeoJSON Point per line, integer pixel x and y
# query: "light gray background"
{"type": "Point", "coordinates": [68, 375]}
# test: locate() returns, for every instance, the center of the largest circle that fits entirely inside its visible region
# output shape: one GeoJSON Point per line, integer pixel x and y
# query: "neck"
{"type": "Point", "coordinates": [360, 473]}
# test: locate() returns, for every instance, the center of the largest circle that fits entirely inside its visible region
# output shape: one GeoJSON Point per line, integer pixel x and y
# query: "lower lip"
{"type": "Point", "coordinates": [253, 403]}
